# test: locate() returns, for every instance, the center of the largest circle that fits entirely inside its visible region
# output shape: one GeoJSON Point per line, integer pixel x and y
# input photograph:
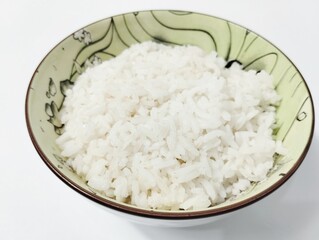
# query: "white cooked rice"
{"type": "Point", "coordinates": [169, 127]}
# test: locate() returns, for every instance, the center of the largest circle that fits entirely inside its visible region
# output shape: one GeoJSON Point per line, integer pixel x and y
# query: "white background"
{"type": "Point", "coordinates": [35, 204]}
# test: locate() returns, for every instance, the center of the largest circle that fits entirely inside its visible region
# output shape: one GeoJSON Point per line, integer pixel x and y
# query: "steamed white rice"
{"type": "Point", "coordinates": [169, 127]}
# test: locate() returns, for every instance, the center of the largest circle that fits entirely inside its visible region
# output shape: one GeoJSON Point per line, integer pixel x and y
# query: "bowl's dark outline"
{"type": "Point", "coordinates": [182, 215]}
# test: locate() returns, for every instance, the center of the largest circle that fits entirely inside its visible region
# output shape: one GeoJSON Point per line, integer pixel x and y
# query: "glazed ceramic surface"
{"type": "Point", "coordinates": [105, 39]}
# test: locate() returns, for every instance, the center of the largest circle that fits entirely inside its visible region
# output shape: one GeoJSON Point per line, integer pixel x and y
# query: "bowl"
{"type": "Point", "coordinates": [105, 39]}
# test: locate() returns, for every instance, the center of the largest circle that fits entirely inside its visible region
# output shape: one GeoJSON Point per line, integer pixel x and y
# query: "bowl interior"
{"type": "Point", "coordinates": [107, 38]}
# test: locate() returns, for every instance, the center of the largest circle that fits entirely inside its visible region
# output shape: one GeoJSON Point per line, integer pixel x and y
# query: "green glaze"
{"type": "Point", "coordinates": [107, 38]}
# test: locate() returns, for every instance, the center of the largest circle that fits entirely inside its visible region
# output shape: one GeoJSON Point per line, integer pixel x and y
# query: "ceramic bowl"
{"type": "Point", "coordinates": [105, 39]}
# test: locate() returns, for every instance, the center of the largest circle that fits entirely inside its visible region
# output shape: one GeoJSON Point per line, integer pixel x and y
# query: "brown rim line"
{"type": "Point", "coordinates": [183, 215]}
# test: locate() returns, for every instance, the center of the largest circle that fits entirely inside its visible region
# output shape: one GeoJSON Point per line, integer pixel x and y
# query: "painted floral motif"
{"type": "Point", "coordinates": [51, 89]}
{"type": "Point", "coordinates": [83, 36]}
{"type": "Point", "coordinates": [95, 60]}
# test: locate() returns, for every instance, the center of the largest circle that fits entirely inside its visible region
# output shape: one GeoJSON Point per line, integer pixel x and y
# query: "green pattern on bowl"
{"type": "Point", "coordinates": [107, 38]}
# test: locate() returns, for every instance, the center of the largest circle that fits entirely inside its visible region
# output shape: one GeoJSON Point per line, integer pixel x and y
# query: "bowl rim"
{"type": "Point", "coordinates": [158, 214]}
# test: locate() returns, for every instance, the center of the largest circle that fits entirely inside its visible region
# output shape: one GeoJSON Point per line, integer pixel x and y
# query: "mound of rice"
{"type": "Point", "coordinates": [169, 127]}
